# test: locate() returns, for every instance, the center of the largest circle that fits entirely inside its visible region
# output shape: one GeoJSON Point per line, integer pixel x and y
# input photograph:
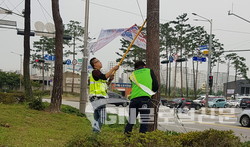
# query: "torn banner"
{"type": "Point", "coordinates": [106, 36]}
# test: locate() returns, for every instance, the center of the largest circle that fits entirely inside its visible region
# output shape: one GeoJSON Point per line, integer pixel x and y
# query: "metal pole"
{"type": "Point", "coordinates": [209, 57]}
{"type": "Point", "coordinates": [209, 62]}
{"type": "Point", "coordinates": [227, 78]}
{"type": "Point", "coordinates": [84, 72]}
{"type": "Point", "coordinates": [229, 13]}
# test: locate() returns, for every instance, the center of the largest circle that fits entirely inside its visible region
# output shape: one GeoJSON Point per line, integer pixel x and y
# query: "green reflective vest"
{"type": "Point", "coordinates": [142, 76]}
{"type": "Point", "coordinates": [97, 88]}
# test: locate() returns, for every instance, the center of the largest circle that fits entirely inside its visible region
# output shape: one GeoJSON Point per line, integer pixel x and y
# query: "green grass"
{"type": "Point", "coordinates": [20, 126]}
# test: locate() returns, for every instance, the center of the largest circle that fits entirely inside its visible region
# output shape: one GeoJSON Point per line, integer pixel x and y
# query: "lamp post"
{"type": "Point", "coordinates": [209, 55]}
{"type": "Point", "coordinates": [20, 68]}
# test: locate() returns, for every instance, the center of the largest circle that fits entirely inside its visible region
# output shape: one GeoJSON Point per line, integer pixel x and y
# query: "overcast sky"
{"type": "Point", "coordinates": [232, 31]}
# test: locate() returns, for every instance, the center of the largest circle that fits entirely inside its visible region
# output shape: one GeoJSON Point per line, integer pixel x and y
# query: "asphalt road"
{"type": "Point", "coordinates": [192, 121]}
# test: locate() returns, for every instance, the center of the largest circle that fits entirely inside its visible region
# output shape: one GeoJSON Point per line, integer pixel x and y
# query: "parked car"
{"type": "Point", "coordinates": [117, 99]}
{"type": "Point", "coordinates": [188, 103]}
{"type": "Point", "coordinates": [234, 103]}
{"type": "Point", "coordinates": [202, 99]}
{"type": "Point", "coordinates": [198, 100]}
{"type": "Point", "coordinates": [245, 103]}
{"type": "Point", "coordinates": [217, 103]}
{"type": "Point", "coordinates": [164, 101]}
{"type": "Point", "coordinates": [244, 118]}
{"type": "Point", "coordinates": [174, 102]}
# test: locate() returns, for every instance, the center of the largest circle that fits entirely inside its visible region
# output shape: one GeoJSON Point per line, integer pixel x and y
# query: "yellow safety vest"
{"type": "Point", "coordinates": [97, 88]}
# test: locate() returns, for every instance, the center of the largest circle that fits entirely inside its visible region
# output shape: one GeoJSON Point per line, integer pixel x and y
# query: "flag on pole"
{"type": "Point", "coordinates": [130, 34]}
{"type": "Point", "coordinates": [105, 37]}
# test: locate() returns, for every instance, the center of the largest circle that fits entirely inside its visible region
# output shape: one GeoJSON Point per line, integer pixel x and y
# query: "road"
{"type": "Point", "coordinates": [192, 121]}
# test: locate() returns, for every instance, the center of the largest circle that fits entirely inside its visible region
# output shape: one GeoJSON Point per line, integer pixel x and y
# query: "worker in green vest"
{"type": "Point", "coordinates": [144, 85]}
{"type": "Point", "coordinates": [98, 85]}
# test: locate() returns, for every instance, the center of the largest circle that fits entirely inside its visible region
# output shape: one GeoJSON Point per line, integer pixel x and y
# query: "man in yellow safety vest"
{"type": "Point", "coordinates": [98, 92]}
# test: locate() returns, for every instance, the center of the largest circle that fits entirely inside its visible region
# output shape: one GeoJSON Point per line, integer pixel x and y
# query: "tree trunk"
{"type": "Point", "coordinates": [169, 91]}
{"type": "Point", "coordinates": [166, 91]}
{"type": "Point", "coordinates": [26, 59]}
{"type": "Point", "coordinates": [194, 80]}
{"type": "Point", "coordinates": [181, 75]}
{"type": "Point", "coordinates": [73, 75]}
{"type": "Point", "coordinates": [235, 79]}
{"type": "Point", "coordinates": [186, 81]}
{"type": "Point", "coordinates": [56, 98]}
{"type": "Point", "coordinates": [175, 74]}
{"type": "Point", "coordinates": [152, 52]}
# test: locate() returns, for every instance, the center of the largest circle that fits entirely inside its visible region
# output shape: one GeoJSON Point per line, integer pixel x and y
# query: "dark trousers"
{"type": "Point", "coordinates": [139, 105]}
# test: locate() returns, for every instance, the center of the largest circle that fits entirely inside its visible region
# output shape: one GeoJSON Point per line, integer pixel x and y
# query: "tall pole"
{"type": "Point", "coordinates": [43, 66]}
{"type": "Point", "coordinates": [209, 57]}
{"type": "Point", "coordinates": [84, 72]}
{"type": "Point", "coordinates": [227, 78]}
{"type": "Point", "coordinates": [152, 51]}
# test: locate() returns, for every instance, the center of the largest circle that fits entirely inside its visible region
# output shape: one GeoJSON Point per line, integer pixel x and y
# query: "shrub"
{"type": "Point", "coordinates": [71, 110]}
{"type": "Point", "coordinates": [39, 93]}
{"type": "Point", "coordinates": [37, 104]}
{"type": "Point", "coordinates": [11, 98]}
{"type": "Point", "coordinates": [157, 138]}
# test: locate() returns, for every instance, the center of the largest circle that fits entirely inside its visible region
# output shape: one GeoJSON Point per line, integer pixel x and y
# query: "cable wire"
{"type": "Point", "coordinates": [140, 9]}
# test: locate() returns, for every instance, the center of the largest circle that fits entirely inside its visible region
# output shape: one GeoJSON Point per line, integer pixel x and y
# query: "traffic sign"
{"type": "Point", "coordinates": [203, 47]}
{"type": "Point", "coordinates": [74, 62]}
{"type": "Point", "coordinates": [52, 58]}
{"type": "Point", "coordinates": [171, 59]}
{"type": "Point", "coordinates": [68, 61]}
{"type": "Point", "coordinates": [201, 59]}
{"type": "Point", "coordinates": [46, 57]}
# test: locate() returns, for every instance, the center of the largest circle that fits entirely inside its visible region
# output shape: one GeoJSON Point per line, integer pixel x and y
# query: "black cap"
{"type": "Point", "coordinates": [139, 64]}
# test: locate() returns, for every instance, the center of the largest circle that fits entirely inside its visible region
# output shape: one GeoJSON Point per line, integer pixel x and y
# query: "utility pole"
{"type": "Point", "coordinates": [152, 51]}
{"type": "Point", "coordinates": [208, 88]}
{"type": "Point", "coordinates": [26, 59]}
{"type": "Point", "coordinates": [228, 65]}
{"type": "Point", "coordinates": [84, 72]}
{"type": "Point", "coordinates": [73, 75]}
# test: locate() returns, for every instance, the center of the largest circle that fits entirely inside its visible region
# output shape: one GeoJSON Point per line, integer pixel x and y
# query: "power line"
{"type": "Point", "coordinates": [140, 9]}
{"type": "Point", "coordinates": [44, 10]}
{"type": "Point", "coordinates": [243, 50]}
{"type": "Point", "coordinates": [233, 31]}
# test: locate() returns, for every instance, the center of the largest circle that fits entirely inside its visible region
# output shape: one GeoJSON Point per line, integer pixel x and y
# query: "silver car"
{"type": "Point", "coordinates": [244, 118]}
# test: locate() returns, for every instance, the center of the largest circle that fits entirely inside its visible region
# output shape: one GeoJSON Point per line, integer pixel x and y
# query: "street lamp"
{"type": "Point", "coordinates": [209, 55]}
{"type": "Point", "coordinates": [20, 68]}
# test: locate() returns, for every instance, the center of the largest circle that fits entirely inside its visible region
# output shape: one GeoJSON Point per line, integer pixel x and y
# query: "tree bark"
{"type": "Point", "coordinates": [56, 98]}
{"type": "Point", "coordinates": [152, 52]}
{"type": "Point", "coordinates": [166, 91]}
{"type": "Point", "coordinates": [26, 59]}
{"type": "Point", "coordinates": [194, 80]}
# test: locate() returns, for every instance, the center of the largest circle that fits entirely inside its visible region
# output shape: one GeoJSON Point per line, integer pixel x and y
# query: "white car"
{"type": "Point", "coordinates": [244, 118]}
{"type": "Point", "coordinates": [234, 103]}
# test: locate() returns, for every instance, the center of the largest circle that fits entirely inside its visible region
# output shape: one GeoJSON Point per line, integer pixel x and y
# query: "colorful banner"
{"type": "Point", "coordinates": [130, 34]}
{"type": "Point", "coordinates": [105, 37]}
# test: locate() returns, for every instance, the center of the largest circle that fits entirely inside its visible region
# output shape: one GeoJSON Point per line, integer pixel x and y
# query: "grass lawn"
{"type": "Point", "coordinates": [21, 126]}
